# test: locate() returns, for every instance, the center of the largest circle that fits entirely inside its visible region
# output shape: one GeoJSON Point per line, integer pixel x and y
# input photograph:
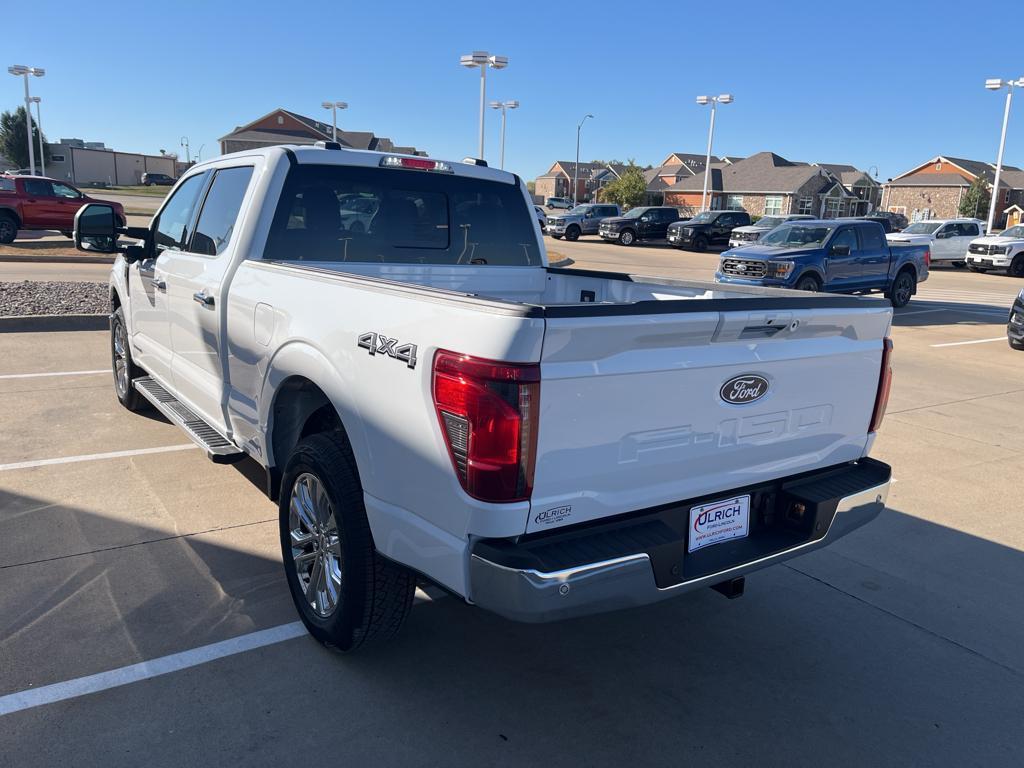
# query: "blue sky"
{"type": "Point", "coordinates": [872, 84]}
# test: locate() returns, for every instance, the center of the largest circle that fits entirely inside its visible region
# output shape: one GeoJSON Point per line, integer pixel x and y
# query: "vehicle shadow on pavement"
{"type": "Point", "coordinates": [929, 313]}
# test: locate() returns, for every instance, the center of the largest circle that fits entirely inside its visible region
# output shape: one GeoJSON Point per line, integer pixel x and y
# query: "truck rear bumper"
{"type": "Point", "coordinates": [642, 558]}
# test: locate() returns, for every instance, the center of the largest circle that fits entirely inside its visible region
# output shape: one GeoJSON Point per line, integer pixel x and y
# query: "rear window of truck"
{"type": "Point", "coordinates": [400, 216]}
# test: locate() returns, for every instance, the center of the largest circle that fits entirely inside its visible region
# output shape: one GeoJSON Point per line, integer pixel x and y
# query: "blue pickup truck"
{"type": "Point", "coordinates": [834, 255]}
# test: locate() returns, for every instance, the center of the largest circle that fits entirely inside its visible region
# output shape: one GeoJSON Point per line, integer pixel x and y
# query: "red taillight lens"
{"type": "Point", "coordinates": [884, 385]}
{"type": "Point", "coordinates": [488, 413]}
{"type": "Point", "coordinates": [928, 257]}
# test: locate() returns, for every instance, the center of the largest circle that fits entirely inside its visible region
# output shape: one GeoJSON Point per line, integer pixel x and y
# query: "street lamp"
{"type": "Point", "coordinates": [184, 144]}
{"type": "Point", "coordinates": [39, 126]}
{"type": "Point", "coordinates": [994, 84]}
{"type": "Point", "coordinates": [483, 60]}
{"type": "Point", "coordinates": [334, 106]}
{"type": "Point", "coordinates": [576, 169]}
{"type": "Point", "coordinates": [23, 71]}
{"type": "Point", "coordinates": [714, 101]}
{"type": "Point", "coordinates": [503, 106]}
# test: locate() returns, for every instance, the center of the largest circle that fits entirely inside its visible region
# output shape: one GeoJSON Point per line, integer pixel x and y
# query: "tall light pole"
{"type": "Point", "coordinates": [994, 84]}
{"type": "Point", "coordinates": [184, 144]}
{"type": "Point", "coordinates": [483, 60]}
{"type": "Point", "coordinates": [334, 106]}
{"type": "Point", "coordinates": [504, 106]}
{"type": "Point", "coordinates": [576, 168]}
{"type": "Point", "coordinates": [39, 126]}
{"type": "Point", "coordinates": [23, 71]}
{"type": "Point", "coordinates": [714, 101]}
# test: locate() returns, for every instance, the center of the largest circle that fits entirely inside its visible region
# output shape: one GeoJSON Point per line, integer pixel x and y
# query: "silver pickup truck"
{"type": "Point", "coordinates": [581, 220]}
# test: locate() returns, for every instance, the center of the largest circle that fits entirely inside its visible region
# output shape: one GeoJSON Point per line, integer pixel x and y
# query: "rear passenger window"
{"type": "Point", "coordinates": [38, 188]}
{"type": "Point", "coordinates": [220, 211]}
{"type": "Point", "coordinates": [968, 230]}
{"type": "Point", "coordinates": [872, 238]}
{"type": "Point", "coordinates": [6, 185]}
{"type": "Point", "coordinates": [176, 216]}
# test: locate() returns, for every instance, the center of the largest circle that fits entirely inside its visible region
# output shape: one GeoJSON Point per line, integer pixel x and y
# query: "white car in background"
{"type": "Point", "coordinates": [1002, 251]}
{"type": "Point", "coordinates": [746, 235]}
{"type": "Point", "coordinates": [948, 238]}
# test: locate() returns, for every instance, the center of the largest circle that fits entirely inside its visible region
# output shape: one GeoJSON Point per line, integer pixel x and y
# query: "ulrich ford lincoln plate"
{"type": "Point", "coordinates": [719, 521]}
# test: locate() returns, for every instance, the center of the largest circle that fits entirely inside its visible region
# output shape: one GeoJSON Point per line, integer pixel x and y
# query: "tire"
{"type": "Point", "coordinates": [572, 234]}
{"type": "Point", "coordinates": [959, 264]}
{"type": "Point", "coordinates": [1016, 268]}
{"type": "Point", "coordinates": [8, 228]}
{"type": "Point", "coordinates": [902, 289]}
{"type": "Point", "coordinates": [808, 283]}
{"type": "Point", "coordinates": [68, 234]}
{"type": "Point", "coordinates": [627, 237]}
{"type": "Point", "coordinates": [1018, 345]}
{"type": "Point", "coordinates": [124, 370]}
{"type": "Point", "coordinates": [700, 244]}
{"type": "Point", "coordinates": [365, 597]}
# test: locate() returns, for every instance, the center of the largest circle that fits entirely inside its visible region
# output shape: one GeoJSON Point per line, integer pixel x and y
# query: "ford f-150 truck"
{"type": "Point", "coordinates": [834, 255]}
{"type": "Point", "coordinates": [36, 202]}
{"type": "Point", "coordinates": [429, 400]}
{"type": "Point", "coordinates": [1002, 251]}
{"type": "Point", "coordinates": [582, 220]}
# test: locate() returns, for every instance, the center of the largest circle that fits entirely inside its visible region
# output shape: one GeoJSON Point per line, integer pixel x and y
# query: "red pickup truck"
{"type": "Point", "coordinates": [36, 202]}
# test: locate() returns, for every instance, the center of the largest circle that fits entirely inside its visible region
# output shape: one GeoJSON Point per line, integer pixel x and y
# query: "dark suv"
{"type": "Point", "coordinates": [707, 228]}
{"type": "Point", "coordinates": [160, 179]}
{"type": "Point", "coordinates": [639, 224]}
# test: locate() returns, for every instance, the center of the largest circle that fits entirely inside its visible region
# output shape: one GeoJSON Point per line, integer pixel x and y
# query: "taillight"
{"type": "Point", "coordinates": [884, 385]}
{"type": "Point", "coordinates": [927, 257]}
{"type": "Point", "coordinates": [488, 412]}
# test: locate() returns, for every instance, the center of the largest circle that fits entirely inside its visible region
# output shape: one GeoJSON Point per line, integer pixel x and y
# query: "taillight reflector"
{"type": "Point", "coordinates": [884, 385]}
{"type": "Point", "coordinates": [488, 414]}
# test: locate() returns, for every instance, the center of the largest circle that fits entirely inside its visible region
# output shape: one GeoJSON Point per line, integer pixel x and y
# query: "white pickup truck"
{"type": "Point", "coordinates": [430, 401]}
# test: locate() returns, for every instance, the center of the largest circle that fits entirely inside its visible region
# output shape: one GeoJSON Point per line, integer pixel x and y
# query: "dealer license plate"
{"type": "Point", "coordinates": [719, 521]}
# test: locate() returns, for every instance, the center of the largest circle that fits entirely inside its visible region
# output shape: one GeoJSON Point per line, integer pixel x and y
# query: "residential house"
{"type": "Point", "coordinates": [860, 184]}
{"type": "Point", "coordinates": [767, 184]}
{"type": "Point", "coordinates": [935, 189]}
{"type": "Point", "coordinates": [558, 181]}
{"type": "Point", "coordinates": [285, 127]}
{"type": "Point", "coordinates": [673, 169]}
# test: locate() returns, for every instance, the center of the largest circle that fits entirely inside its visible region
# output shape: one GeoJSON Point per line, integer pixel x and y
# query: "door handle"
{"type": "Point", "coordinates": [202, 298]}
{"type": "Point", "coordinates": [158, 283]}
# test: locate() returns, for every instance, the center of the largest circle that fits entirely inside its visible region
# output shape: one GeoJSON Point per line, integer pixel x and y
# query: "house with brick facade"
{"type": "Point", "coordinates": [935, 189]}
{"type": "Point", "coordinates": [673, 169]}
{"type": "Point", "coordinates": [285, 127]}
{"type": "Point", "coordinates": [558, 181]}
{"type": "Point", "coordinates": [767, 184]}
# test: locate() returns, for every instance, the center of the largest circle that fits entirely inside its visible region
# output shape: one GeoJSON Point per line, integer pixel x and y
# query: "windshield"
{"type": "Point", "coordinates": [770, 222]}
{"type": "Point", "coordinates": [345, 213]}
{"type": "Point", "coordinates": [580, 209]}
{"type": "Point", "coordinates": [702, 218]}
{"type": "Point", "coordinates": [795, 235]}
{"type": "Point", "coordinates": [922, 228]}
{"type": "Point", "coordinates": [1017, 231]}
{"type": "Point", "coordinates": [634, 213]}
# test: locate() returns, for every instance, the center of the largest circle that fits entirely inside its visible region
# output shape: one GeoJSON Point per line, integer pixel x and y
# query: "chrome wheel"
{"type": "Point", "coordinates": [120, 359]}
{"type": "Point", "coordinates": [315, 545]}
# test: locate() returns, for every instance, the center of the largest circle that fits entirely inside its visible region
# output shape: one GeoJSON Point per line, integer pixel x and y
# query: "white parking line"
{"type": "Point", "coordinates": [95, 457]}
{"type": "Point", "coordinates": [976, 341]}
{"type": "Point", "coordinates": [56, 373]}
{"type": "Point", "coordinates": [82, 686]}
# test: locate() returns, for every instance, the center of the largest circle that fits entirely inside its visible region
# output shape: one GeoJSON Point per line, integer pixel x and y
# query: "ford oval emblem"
{"type": "Point", "coordinates": [747, 388]}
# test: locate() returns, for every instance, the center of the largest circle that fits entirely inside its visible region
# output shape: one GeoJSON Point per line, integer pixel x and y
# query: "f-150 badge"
{"type": "Point", "coordinates": [379, 344]}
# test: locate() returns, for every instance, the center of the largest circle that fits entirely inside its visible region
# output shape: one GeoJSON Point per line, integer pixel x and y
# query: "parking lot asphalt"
{"type": "Point", "coordinates": [120, 545]}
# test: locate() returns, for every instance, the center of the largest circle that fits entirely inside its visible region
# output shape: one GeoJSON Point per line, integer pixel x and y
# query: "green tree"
{"type": "Point", "coordinates": [976, 199]}
{"type": "Point", "coordinates": [628, 190]}
{"type": "Point", "coordinates": [13, 145]}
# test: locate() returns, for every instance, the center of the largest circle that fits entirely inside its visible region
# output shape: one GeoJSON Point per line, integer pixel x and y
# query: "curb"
{"type": "Point", "coordinates": [43, 323]}
{"type": "Point", "coordinates": [69, 259]}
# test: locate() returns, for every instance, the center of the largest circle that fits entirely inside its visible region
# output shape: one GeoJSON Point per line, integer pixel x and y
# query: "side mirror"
{"type": "Point", "coordinates": [588, 215]}
{"type": "Point", "coordinates": [840, 250]}
{"type": "Point", "coordinates": [96, 228]}
{"type": "Point", "coordinates": [645, 218]}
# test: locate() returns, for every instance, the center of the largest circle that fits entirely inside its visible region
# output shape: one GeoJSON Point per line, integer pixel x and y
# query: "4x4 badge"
{"type": "Point", "coordinates": [379, 344]}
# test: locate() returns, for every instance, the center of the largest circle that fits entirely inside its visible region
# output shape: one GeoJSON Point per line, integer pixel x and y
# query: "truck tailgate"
{"type": "Point", "coordinates": [634, 411]}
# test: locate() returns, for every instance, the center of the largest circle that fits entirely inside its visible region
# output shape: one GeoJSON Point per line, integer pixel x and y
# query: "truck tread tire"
{"type": "Point", "coordinates": [627, 237]}
{"type": "Point", "coordinates": [572, 234]}
{"type": "Point", "coordinates": [1016, 268]}
{"type": "Point", "coordinates": [124, 378]}
{"type": "Point", "coordinates": [8, 228]}
{"type": "Point", "coordinates": [700, 244]}
{"type": "Point", "coordinates": [1018, 345]}
{"type": "Point", "coordinates": [902, 289]}
{"type": "Point", "coordinates": [375, 594]}
{"type": "Point", "coordinates": [808, 283]}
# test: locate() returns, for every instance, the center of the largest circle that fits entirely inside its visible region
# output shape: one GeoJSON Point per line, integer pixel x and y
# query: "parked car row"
{"type": "Point", "coordinates": [39, 203]}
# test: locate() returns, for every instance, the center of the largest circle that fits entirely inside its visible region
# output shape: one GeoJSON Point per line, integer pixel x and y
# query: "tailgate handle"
{"type": "Point", "coordinates": [760, 330]}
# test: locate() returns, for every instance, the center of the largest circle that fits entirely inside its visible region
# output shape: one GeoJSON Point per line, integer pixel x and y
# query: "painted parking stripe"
{"type": "Point", "coordinates": [82, 686]}
{"type": "Point", "coordinates": [95, 457]}
{"type": "Point", "coordinates": [55, 373]}
{"type": "Point", "coordinates": [976, 341]}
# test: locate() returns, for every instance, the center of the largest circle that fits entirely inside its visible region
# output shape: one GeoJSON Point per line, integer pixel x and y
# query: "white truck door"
{"type": "Point", "coordinates": [147, 280]}
{"type": "Point", "coordinates": [195, 282]}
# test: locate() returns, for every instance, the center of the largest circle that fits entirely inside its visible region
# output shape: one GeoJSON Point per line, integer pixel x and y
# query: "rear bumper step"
{"type": "Point", "coordinates": [218, 448]}
{"type": "Point", "coordinates": [642, 557]}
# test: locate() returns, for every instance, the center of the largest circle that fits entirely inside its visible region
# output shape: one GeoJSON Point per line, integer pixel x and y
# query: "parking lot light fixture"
{"type": "Point", "coordinates": [995, 84]}
{"type": "Point", "coordinates": [334, 106]}
{"type": "Point", "coordinates": [576, 168]}
{"type": "Point", "coordinates": [39, 126]}
{"type": "Point", "coordinates": [714, 101]}
{"type": "Point", "coordinates": [188, 156]}
{"type": "Point", "coordinates": [483, 60]}
{"type": "Point", "coordinates": [20, 70]}
{"type": "Point", "coordinates": [504, 106]}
